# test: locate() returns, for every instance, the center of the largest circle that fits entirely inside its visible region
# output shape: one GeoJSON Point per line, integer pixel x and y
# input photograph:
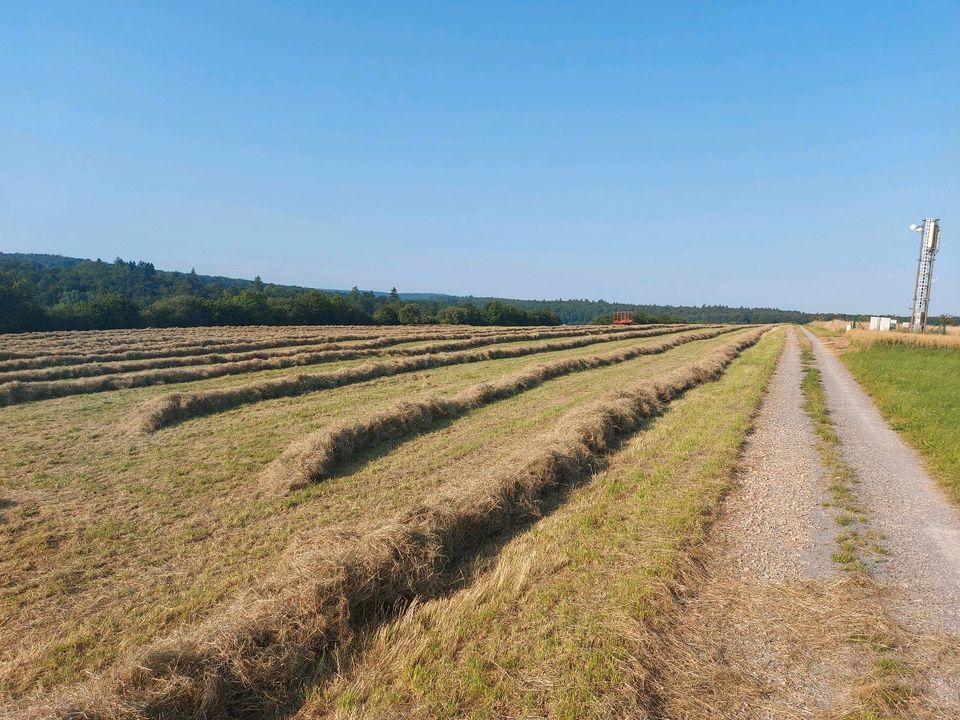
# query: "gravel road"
{"type": "Point", "coordinates": [776, 527]}
{"type": "Point", "coordinates": [921, 527]}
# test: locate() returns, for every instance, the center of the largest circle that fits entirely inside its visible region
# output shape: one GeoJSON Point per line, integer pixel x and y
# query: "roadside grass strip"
{"type": "Point", "coordinates": [252, 659]}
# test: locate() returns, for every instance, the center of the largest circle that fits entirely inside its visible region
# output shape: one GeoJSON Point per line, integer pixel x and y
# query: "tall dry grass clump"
{"type": "Point", "coordinates": [867, 338]}
{"type": "Point", "coordinates": [177, 407]}
{"type": "Point", "coordinates": [252, 660]}
{"type": "Point", "coordinates": [317, 455]}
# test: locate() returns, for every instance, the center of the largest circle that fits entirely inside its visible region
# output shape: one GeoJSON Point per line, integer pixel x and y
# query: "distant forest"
{"type": "Point", "coordinates": [51, 292]}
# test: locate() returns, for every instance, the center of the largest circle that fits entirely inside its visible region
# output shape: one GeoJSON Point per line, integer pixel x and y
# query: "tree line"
{"type": "Point", "coordinates": [51, 292]}
{"type": "Point", "coordinates": [39, 292]}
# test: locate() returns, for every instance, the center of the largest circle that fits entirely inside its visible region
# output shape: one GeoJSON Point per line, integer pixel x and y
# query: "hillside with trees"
{"type": "Point", "coordinates": [51, 292]}
{"type": "Point", "coordinates": [48, 292]}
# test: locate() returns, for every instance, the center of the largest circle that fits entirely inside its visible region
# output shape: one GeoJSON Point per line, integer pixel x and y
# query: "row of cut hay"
{"type": "Point", "coordinates": [108, 341]}
{"type": "Point", "coordinates": [107, 366]}
{"type": "Point", "coordinates": [866, 339]}
{"type": "Point", "coordinates": [146, 351]}
{"type": "Point", "coordinates": [176, 407]}
{"type": "Point", "coordinates": [161, 359]}
{"type": "Point", "coordinates": [137, 335]}
{"type": "Point", "coordinates": [17, 392]}
{"type": "Point", "coordinates": [253, 659]}
{"type": "Point", "coordinates": [317, 455]}
{"type": "Point", "coordinates": [201, 333]}
{"type": "Point", "coordinates": [209, 337]}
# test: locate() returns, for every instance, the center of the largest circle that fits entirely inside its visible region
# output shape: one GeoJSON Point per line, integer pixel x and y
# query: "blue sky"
{"type": "Point", "coordinates": [726, 152]}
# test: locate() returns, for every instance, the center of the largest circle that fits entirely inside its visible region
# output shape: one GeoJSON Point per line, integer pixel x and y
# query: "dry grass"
{"type": "Point", "coordinates": [59, 355]}
{"type": "Point", "coordinates": [177, 407]}
{"type": "Point", "coordinates": [114, 543]}
{"type": "Point", "coordinates": [250, 659]}
{"type": "Point", "coordinates": [29, 346]}
{"type": "Point", "coordinates": [16, 392]}
{"type": "Point", "coordinates": [315, 456]}
{"type": "Point", "coordinates": [116, 344]}
{"type": "Point", "coordinates": [743, 649]}
{"type": "Point", "coordinates": [67, 365]}
{"type": "Point", "coordinates": [300, 354]}
{"type": "Point", "coordinates": [866, 339]}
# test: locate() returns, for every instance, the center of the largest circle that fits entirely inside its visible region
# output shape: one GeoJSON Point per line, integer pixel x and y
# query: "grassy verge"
{"type": "Point", "coordinates": [917, 389]}
{"type": "Point", "coordinates": [554, 626]}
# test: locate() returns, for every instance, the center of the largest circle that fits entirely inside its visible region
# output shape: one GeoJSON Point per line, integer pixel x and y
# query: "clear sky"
{"type": "Point", "coordinates": [716, 152]}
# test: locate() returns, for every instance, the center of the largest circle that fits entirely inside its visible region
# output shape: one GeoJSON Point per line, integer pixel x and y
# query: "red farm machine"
{"type": "Point", "coordinates": [622, 317]}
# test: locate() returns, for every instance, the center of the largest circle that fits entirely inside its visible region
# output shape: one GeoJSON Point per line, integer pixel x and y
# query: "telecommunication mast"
{"type": "Point", "coordinates": [929, 244]}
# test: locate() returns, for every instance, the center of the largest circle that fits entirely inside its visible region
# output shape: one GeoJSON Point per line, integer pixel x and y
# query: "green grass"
{"type": "Point", "coordinates": [918, 391]}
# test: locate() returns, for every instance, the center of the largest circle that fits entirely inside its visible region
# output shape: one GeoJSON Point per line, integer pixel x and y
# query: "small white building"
{"type": "Point", "coordinates": [882, 324]}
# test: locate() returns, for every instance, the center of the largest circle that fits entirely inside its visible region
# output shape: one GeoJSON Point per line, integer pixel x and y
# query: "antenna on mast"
{"type": "Point", "coordinates": [929, 244]}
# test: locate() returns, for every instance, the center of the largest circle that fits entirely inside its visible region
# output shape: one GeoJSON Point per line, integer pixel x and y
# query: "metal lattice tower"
{"type": "Point", "coordinates": [929, 244]}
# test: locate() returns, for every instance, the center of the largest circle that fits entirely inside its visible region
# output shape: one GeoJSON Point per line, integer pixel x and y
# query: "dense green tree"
{"type": "Point", "coordinates": [178, 311]}
{"type": "Point", "coordinates": [409, 314]}
{"type": "Point", "coordinates": [19, 309]}
{"type": "Point", "coordinates": [102, 311]}
{"type": "Point", "coordinates": [464, 314]}
{"type": "Point", "coordinates": [388, 314]}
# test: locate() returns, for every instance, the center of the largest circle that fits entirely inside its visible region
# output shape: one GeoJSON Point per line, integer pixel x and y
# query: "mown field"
{"type": "Point", "coordinates": [363, 521]}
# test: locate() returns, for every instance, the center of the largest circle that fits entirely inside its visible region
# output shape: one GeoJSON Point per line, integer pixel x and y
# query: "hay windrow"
{"type": "Point", "coordinates": [317, 455]}
{"type": "Point", "coordinates": [176, 407]}
{"type": "Point", "coordinates": [252, 659]}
